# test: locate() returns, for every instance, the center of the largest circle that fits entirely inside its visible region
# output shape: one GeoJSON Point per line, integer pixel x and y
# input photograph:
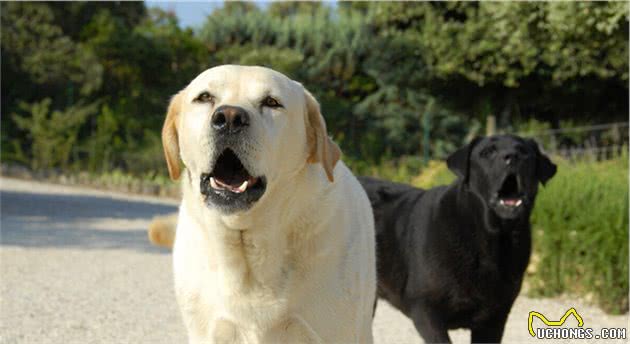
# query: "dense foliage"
{"type": "Point", "coordinates": [396, 80]}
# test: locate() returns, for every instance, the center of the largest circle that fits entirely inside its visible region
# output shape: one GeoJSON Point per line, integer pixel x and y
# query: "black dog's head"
{"type": "Point", "coordinates": [504, 171]}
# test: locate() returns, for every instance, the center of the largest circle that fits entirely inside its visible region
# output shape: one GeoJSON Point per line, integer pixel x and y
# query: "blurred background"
{"type": "Point", "coordinates": [85, 87]}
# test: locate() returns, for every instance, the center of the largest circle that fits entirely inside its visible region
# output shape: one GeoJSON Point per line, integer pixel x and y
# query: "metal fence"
{"type": "Point", "coordinates": [594, 142]}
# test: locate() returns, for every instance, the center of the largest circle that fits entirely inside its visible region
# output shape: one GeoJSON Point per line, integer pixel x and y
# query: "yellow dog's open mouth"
{"type": "Point", "coordinates": [230, 186]}
{"type": "Point", "coordinates": [230, 174]}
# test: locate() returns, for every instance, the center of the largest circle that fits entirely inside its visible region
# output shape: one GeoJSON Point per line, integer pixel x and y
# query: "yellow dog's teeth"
{"type": "Point", "coordinates": [221, 186]}
{"type": "Point", "coordinates": [213, 183]}
{"type": "Point", "coordinates": [242, 188]}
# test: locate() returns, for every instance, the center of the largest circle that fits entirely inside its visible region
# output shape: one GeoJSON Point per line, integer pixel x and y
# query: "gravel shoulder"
{"type": "Point", "coordinates": [76, 267]}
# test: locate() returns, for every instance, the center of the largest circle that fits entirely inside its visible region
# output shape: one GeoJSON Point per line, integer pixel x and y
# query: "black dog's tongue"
{"type": "Point", "coordinates": [512, 202]}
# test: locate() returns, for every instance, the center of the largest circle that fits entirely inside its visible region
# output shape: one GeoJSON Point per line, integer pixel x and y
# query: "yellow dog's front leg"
{"type": "Point", "coordinates": [226, 332]}
{"type": "Point", "coordinates": [293, 330]}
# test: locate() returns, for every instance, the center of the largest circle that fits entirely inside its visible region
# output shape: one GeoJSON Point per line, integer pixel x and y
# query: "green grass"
{"type": "Point", "coordinates": [580, 229]}
{"type": "Point", "coordinates": [399, 170]}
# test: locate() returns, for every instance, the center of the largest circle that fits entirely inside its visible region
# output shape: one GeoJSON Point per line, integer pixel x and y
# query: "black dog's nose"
{"type": "Point", "coordinates": [229, 119]}
{"type": "Point", "coordinates": [510, 157]}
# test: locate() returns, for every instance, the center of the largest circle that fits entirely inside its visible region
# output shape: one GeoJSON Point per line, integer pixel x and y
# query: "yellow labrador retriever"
{"type": "Point", "coordinates": [275, 236]}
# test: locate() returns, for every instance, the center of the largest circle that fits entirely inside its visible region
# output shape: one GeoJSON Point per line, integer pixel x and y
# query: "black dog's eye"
{"type": "Point", "coordinates": [521, 150]}
{"type": "Point", "coordinates": [271, 102]}
{"type": "Point", "coordinates": [488, 151]}
{"type": "Point", "coordinates": [204, 97]}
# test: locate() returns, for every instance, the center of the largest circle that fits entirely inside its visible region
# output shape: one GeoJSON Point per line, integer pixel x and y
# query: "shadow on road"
{"type": "Point", "coordinates": [76, 221]}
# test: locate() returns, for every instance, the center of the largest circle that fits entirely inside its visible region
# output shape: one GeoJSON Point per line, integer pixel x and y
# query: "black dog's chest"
{"type": "Point", "coordinates": [477, 295]}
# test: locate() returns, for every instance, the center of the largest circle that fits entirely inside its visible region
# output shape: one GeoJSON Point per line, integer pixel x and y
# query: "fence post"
{"type": "Point", "coordinates": [491, 125]}
{"type": "Point", "coordinates": [426, 132]}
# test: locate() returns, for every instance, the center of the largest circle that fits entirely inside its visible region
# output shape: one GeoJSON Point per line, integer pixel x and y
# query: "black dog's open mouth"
{"type": "Point", "coordinates": [509, 194]}
{"type": "Point", "coordinates": [230, 185]}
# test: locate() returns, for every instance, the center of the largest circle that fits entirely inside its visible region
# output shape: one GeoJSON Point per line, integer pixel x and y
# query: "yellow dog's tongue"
{"type": "Point", "coordinates": [221, 185]}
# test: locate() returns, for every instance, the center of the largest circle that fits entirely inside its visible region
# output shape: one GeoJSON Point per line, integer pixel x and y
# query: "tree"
{"type": "Point", "coordinates": [51, 135]}
{"type": "Point", "coordinates": [375, 67]}
{"type": "Point", "coordinates": [37, 54]}
{"type": "Point", "coordinates": [545, 59]}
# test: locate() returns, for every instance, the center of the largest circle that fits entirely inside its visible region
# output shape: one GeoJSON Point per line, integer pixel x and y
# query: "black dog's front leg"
{"type": "Point", "coordinates": [490, 331]}
{"type": "Point", "coordinates": [431, 328]}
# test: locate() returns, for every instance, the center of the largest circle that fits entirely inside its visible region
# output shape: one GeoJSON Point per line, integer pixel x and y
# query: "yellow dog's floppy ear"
{"type": "Point", "coordinates": [322, 148]}
{"type": "Point", "coordinates": [169, 136]}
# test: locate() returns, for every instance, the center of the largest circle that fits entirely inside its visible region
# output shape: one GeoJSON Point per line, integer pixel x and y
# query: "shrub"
{"type": "Point", "coordinates": [51, 136]}
{"type": "Point", "coordinates": [435, 174]}
{"type": "Point", "coordinates": [580, 229]}
{"type": "Point", "coordinates": [398, 170]}
{"type": "Point", "coordinates": [103, 142]}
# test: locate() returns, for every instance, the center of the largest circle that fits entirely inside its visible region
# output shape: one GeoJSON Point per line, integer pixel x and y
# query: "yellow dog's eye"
{"type": "Point", "coordinates": [204, 97]}
{"type": "Point", "coordinates": [271, 102]}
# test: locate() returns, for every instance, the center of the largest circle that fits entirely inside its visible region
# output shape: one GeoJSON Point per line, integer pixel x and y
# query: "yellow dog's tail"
{"type": "Point", "coordinates": [162, 230]}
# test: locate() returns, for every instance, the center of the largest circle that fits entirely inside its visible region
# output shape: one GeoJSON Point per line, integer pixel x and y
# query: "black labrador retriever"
{"type": "Point", "coordinates": [454, 256]}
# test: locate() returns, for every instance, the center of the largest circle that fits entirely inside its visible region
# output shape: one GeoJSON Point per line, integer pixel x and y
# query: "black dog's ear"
{"type": "Point", "coordinates": [545, 169]}
{"type": "Point", "coordinates": [459, 162]}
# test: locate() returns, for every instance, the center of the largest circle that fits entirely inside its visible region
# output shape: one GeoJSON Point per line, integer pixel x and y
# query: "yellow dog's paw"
{"type": "Point", "coordinates": [162, 230]}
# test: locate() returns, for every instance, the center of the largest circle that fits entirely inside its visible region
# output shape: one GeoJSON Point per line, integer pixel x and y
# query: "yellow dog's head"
{"type": "Point", "coordinates": [240, 130]}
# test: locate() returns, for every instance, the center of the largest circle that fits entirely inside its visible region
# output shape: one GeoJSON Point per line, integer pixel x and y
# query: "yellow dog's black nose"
{"type": "Point", "coordinates": [229, 119]}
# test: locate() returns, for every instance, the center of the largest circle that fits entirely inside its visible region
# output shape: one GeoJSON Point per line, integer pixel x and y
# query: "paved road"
{"type": "Point", "coordinates": [76, 267]}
